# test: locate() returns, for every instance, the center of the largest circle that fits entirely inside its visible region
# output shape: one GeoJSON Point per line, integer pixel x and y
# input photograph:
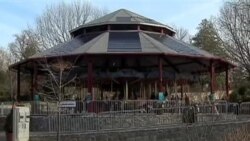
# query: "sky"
{"type": "Point", "coordinates": [16, 15]}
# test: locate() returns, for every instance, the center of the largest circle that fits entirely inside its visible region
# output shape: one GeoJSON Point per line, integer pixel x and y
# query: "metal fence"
{"type": "Point", "coordinates": [41, 108]}
{"type": "Point", "coordinates": [245, 108]}
{"type": "Point", "coordinates": [48, 108]}
{"type": "Point", "coordinates": [79, 116]}
{"type": "Point", "coordinates": [5, 108]}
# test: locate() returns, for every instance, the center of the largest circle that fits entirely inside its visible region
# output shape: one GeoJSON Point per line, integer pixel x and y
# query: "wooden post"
{"type": "Point", "coordinates": [212, 79]}
{"type": "Point", "coordinates": [160, 76]}
{"type": "Point", "coordinates": [162, 32]}
{"type": "Point", "coordinates": [33, 81]}
{"type": "Point", "coordinates": [126, 90]}
{"type": "Point", "coordinates": [138, 27]}
{"type": "Point", "coordinates": [175, 88]}
{"type": "Point", "coordinates": [90, 79]}
{"type": "Point", "coordinates": [181, 90]}
{"type": "Point", "coordinates": [155, 89]}
{"type": "Point", "coordinates": [109, 28]}
{"type": "Point", "coordinates": [31, 84]}
{"type": "Point", "coordinates": [18, 83]}
{"type": "Point", "coordinates": [227, 82]}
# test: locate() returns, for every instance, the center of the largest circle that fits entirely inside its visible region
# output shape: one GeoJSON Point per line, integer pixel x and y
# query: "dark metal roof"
{"type": "Point", "coordinates": [116, 42]}
{"type": "Point", "coordinates": [123, 16]}
{"type": "Point", "coordinates": [124, 42]}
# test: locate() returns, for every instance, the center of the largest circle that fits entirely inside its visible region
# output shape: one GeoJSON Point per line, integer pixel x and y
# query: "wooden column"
{"type": "Point", "coordinates": [161, 75]}
{"type": "Point", "coordinates": [18, 83]}
{"type": "Point", "coordinates": [138, 27]}
{"type": "Point", "coordinates": [31, 85]}
{"type": "Point", "coordinates": [33, 81]}
{"type": "Point", "coordinates": [90, 79]}
{"type": "Point", "coordinates": [181, 90]}
{"type": "Point", "coordinates": [212, 77]}
{"type": "Point", "coordinates": [227, 82]}
{"type": "Point", "coordinates": [126, 90]}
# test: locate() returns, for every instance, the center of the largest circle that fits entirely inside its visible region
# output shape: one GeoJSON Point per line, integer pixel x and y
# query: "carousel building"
{"type": "Point", "coordinates": [121, 55]}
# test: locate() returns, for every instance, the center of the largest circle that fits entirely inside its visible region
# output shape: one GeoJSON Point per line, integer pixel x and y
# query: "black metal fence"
{"type": "Point", "coordinates": [79, 116]}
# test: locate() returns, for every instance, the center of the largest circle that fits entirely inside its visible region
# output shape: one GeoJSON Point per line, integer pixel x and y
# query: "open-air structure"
{"type": "Point", "coordinates": [122, 55]}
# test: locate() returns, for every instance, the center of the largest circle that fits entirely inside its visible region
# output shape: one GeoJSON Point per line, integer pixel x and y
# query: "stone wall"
{"type": "Point", "coordinates": [86, 123]}
{"type": "Point", "coordinates": [193, 132]}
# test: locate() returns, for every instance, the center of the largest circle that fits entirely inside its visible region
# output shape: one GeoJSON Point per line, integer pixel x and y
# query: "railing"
{"type": "Point", "coordinates": [41, 108]}
{"type": "Point", "coordinates": [122, 107]}
{"type": "Point", "coordinates": [5, 108]}
{"type": "Point", "coordinates": [113, 115]}
{"type": "Point", "coordinates": [245, 108]}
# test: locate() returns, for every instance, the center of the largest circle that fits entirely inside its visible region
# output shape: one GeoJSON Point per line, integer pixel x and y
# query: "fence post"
{"type": "Point", "coordinates": [47, 108]}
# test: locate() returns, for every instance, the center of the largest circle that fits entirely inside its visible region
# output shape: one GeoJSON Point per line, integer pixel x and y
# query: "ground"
{"type": "Point", "coordinates": [2, 136]}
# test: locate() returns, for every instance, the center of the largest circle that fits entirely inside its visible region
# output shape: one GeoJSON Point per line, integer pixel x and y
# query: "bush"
{"type": "Point", "coordinates": [242, 94]}
{"type": "Point", "coordinates": [242, 90]}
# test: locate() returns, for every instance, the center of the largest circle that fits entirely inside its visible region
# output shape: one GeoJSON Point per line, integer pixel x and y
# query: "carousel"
{"type": "Point", "coordinates": [121, 55]}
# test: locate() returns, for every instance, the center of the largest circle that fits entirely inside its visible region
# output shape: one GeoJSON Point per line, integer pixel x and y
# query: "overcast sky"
{"type": "Point", "coordinates": [15, 15]}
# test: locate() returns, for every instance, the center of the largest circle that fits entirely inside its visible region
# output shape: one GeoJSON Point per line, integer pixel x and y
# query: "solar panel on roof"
{"type": "Point", "coordinates": [124, 42]}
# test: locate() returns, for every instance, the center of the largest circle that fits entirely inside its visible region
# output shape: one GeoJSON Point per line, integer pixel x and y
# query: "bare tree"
{"type": "Point", "coordinates": [182, 34]}
{"type": "Point", "coordinates": [234, 27]}
{"type": "Point", "coordinates": [25, 45]}
{"type": "Point", "coordinates": [54, 24]}
{"type": "Point", "coordinates": [57, 77]}
{"type": "Point", "coordinates": [5, 59]}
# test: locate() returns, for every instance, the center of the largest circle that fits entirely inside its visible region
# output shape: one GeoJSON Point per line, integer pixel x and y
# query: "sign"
{"type": "Point", "coordinates": [67, 104]}
{"type": "Point", "coordinates": [21, 122]}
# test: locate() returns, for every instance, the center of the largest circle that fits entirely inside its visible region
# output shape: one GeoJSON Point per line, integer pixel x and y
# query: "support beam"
{"type": "Point", "coordinates": [227, 82]}
{"type": "Point", "coordinates": [181, 91]}
{"type": "Point", "coordinates": [212, 77]}
{"type": "Point", "coordinates": [18, 83]}
{"type": "Point", "coordinates": [31, 85]}
{"type": "Point", "coordinates": [138, 27]}
{"type": "Point", "coordinates": [33, 81]}
{"type": "Point", "coordinates": [160, 75]}
{"type": "Point", "coordinates": [126, 90]}
{"type": "Point", "coordinates": [90, 79]}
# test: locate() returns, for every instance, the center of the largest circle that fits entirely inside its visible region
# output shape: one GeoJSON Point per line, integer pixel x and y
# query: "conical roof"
{"type": "Point", "coordinates": [124, 42]}
{"type": "Point", "coordinates": [123, 16]}
{"type": "Point", "coordinates": [113, 42]}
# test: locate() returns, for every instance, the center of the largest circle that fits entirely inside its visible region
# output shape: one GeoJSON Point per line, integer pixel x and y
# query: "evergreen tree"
{"type": "Point", "coordinates": [207, 39]}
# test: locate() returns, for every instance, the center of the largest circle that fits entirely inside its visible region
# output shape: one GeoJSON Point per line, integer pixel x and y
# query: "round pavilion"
{"type": "Point", "coordinates": [123, 53]}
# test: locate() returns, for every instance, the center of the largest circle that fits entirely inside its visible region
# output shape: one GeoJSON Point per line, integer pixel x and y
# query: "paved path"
{"type": "Point", "coordinates": [2, 136]}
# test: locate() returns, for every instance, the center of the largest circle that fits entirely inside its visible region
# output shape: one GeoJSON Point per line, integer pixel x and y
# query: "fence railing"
{"type": "Point", "coordinates": [116, 106]}
{"type": "Point", "coordinates": [79, 116]}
